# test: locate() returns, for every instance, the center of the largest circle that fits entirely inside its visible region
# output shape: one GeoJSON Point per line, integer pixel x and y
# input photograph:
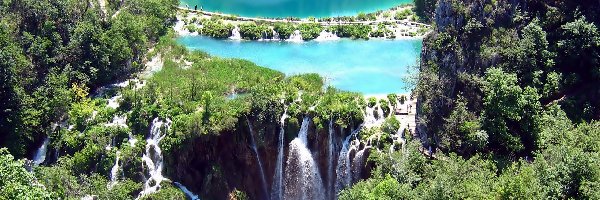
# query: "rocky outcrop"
{"type": "Point", "coordinates": [212, 166]}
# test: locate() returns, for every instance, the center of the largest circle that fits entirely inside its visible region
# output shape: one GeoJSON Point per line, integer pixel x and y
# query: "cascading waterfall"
{"type": "Point", "coordinates": [187, 192]}
{"type": "Point", "coordinates": [277, 187]}
{"type": "Point", "coordinates": [357, 163]}
{"type": "Point", "coordinates": [302, 178]}
{"type": "Point", "coordinates": [343, 169]}
{"type": "Point", "coordinates": [327, 36]}
{"type": "Point", "coordinates": [295, 37]}
{"type": "Point", "coordinates": [275, 35]}
{"type": "Point", "coordinates": [330, 178]}
{"type": "Point", "coordinates": [260, 166]}
{"type": "Point", "coordinates": [114, 172]}
{"type": "Point", "coordinates": [380, 114]}
{"type": "Point", "coordinates": [153, 158]}
{"type": "Point", "coordinates": [235, 34]}
{"type": "Point", "coordinates": [40, 154]}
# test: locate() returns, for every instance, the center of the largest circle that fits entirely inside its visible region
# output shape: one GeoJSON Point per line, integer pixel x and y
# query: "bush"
{"type": "Point", "coordinates": [372, 102]}
{"type": "Point", "coordinates": [354, 31]}
{"type": "Point", "coordinates": [392, 98]}
{"type": "Point", "coordinates": [310, 31]}
{"type": "Point", "coordinates": [216, 29]}
{"type": "Point", "coordinates": [284, 29]}
{"type": "Point", "coordinates": [384, 105]}
{"type": "Point", "coordinates": [390, 125]}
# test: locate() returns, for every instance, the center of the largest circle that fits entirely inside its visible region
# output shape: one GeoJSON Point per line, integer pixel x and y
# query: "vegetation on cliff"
{"type": "Point", "coordinates": [509, 102]}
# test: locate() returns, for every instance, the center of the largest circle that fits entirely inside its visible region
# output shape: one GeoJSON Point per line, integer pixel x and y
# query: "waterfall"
{"type": "Point", "coordinates": [132, 140]}
{"type": "Point", "coordinates": [380, 114]}
{"type": "Point", "coordinates": [370, 119]}
{"type": "Point", "coordinates": [260, 166]}
{"type": "Point", "coordinates": [295, 37]}
{"type": "Point", "coordinates": [118, 121]}
{"type": "Point", "coordinates": [113, 102]}
{"type": "Point", "coordinates": [114, 172]}
{"type": "Point", "coordinates": [357, 165]}
{"type": "Point", "coordinates": [275, 35]}
{"type": "Point", "coordinates": [343, 169]}
{"type": "Point", "coordinates": [326, 36]}
{"type": "Point", "coordinates": [330, 178]}
{"type": "Point", "coordinates": [153, 158]}
{"type": "Point", "coordinates": [40, 154]}
{"type": "Point", "coordinates": [235, 34]}
{"type": "Point", "coordinates": [277, 187]}
{"type": "Point", "coordinates": [187, 192]}
{"type": "Point", "coordinates": [302, 178]}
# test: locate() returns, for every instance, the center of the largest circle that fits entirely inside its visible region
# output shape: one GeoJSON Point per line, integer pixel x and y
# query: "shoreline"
{"type": "Point", "coordinates": [392, 24]}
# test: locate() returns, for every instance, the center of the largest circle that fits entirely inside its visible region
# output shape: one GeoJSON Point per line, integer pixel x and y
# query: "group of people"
{"type": "Point", "coordinates": [195, 7]}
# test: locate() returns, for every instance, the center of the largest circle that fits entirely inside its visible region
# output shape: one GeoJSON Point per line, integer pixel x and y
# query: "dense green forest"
{"type": "Point", "coordinates": [509, 99]}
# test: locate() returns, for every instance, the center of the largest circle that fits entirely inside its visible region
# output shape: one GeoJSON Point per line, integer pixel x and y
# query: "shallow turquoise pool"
{"type": "Point", "coordinates": [371, 67]}
{"type": "Point", "coordinates": [294, 8]}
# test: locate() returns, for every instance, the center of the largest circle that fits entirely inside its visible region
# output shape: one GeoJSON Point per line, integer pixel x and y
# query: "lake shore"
{"type": "Point", "coordinates": [388, 24]}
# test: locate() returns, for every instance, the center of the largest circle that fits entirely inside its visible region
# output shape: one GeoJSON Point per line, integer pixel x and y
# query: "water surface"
{"type": "Point", "coordinates": [371, 67]}
{"type": "Point", "coordinates": [295, 8]}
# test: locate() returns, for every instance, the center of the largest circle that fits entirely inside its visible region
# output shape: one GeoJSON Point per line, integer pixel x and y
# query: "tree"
{"type": "Point", "coordinates": [503, 113]}
{"type": "Point", "coordinates": [16, 182]}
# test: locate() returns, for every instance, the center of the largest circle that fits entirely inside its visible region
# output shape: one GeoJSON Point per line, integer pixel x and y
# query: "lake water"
{"type": "Point", "coordinates": [295, 8]}
{"type": "Point", "coordinates": [371, 67]}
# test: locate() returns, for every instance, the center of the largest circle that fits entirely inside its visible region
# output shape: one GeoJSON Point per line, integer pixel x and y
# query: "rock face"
{"type": "Point", "coordinates": [214, 165]}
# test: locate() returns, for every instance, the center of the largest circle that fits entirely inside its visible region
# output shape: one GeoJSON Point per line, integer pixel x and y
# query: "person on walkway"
{"type": "Point", "coordinates": [195, 7]}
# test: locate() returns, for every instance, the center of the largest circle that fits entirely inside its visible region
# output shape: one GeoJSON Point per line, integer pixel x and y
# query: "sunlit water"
{"type": "Point", "coordinates": [367, 66]}
{"type": "Point", "coordinates": [294, 8]}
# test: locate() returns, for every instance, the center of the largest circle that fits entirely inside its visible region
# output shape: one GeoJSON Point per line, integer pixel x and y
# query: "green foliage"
{"type": "Point", "coordinates": [166, 192]}
{"type": "Point", "coordinates": [354, 31]}
{"type": "Point", "coordinates": [393, 99]}
{"type": "Point", "coordinates": [385, 106]}
{"type": "Point", "coordinates": [390, 125]}
{"type": "Point", "coordinates": [16, 182]}
{"type": "Point", "coordinates": [504, 102]}
{"type": "Point", "coordinates": [310, 31]}
{"type": "Point", "coordinates": [251, 31]}
{"type": "Point", "coordinates": [48, 46]}
{"type": "Point", "coordinates": [216, 28]}
{"type": "Point", "coordinates": [284, 29]}
{"type": "Point", "coordinates": [372, 101]}
{"type": "Point", "coordinates": [401, 15]}
{"type": "Point", "coordinates": [238, 195]}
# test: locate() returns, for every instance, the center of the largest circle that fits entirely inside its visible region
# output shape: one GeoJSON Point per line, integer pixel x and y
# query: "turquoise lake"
{"type": "Point", "coordinates": [370, 67]}
{"type": "Point", "coordinates": [294, 8]}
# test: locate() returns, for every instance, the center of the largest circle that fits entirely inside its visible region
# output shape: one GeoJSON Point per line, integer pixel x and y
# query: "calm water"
{"type": "Point", "coordinates": [295, 8]}
{"type": "Point", "coordinates": [370, 67]}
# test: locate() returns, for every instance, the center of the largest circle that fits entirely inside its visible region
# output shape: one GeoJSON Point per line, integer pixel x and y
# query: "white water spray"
{"type": "Point", "coordinates": [153, 158]}
{"type": "Point", "coordinates": [277, 187]}
{"type": "Point", "coordinates": [330, 168]}
{"type": "Point", "coordinates": [326, 36]}
{"type": "Point", "coordinates": [235, 34]}
{"type": "Point", "coordinates": [40, 154]}
{"type": "Point", "coordinates": [114, 172]}
{"type": "Point", "coordinates": [260, 166]}
{"type": "Point", "coordinates": [275, 35]}
{"type": "Point", "coordinates": [343, 169]}
{"type": "Point", "coordinates": [302, 178]}
{"type": "Point", "coordinates": [295, 37]}
{"type": "Point", "coordinates": [187, 192]}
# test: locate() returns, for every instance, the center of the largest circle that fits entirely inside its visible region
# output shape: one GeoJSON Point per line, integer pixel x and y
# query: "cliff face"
{"type": "Point", "coordinates": [472, 36]}
{"type": "Point", "coordinates": [215, 165]}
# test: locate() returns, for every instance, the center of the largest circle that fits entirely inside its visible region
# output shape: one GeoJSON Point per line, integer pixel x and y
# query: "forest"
{"type": "Point", "coordinates": [509, 101]}
{"type": "Point", "coordinates": [508, 92]}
